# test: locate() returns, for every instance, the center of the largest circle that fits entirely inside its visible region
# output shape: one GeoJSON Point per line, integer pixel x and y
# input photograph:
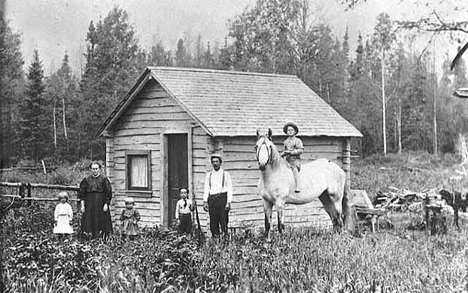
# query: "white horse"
{"type": "Point", "coordinates": [320, 179]}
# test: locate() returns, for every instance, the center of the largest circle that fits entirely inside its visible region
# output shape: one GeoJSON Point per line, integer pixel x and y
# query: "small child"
{"type": "Point", "coordinates": [63, 214]}
{"type": "Point", "coordinates": [293, 149]}
{"type": "Point", "coordinates": [129, 219]}
{"type": "Point", "coordinates": [183, 212]}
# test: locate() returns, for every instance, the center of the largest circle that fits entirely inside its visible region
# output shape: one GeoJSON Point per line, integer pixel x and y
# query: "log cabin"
{"type": "Point", "coordinates": [160, 136]}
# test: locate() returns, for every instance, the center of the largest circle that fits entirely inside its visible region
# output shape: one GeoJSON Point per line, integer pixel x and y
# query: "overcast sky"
{"type": "Point", "coordinates": [55, 26]}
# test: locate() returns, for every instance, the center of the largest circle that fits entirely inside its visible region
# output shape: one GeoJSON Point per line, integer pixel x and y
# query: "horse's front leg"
{"type": "Point", "coordinates": [280, 211]}
{"type": "Point", "coordinates": [268, 209]}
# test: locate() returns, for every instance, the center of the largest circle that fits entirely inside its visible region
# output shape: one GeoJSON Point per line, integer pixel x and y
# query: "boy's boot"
{"type": "Point", "coordinates": [297, 180]}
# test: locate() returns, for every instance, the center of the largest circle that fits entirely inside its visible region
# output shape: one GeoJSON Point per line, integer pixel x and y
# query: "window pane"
{"type": "Point", "coordinates": [139, 171]}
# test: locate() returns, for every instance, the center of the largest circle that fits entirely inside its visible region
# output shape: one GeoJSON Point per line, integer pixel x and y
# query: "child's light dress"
{"type": "Point", "coordinates": [63, 215]}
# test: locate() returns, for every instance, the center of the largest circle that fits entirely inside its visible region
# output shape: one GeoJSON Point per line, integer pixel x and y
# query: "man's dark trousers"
{"type": "Point", "coordinates": [218, 214]}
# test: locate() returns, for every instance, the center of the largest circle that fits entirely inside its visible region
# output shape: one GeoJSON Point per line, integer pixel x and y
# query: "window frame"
{"type": "Point", "coordinates": [128, 165]}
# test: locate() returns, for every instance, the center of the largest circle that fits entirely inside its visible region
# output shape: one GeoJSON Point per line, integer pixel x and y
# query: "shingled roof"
{"type": "Point", "coordinates": [230, 103]}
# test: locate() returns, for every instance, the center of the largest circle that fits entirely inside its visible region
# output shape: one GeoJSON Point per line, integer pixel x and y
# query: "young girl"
{"type": "Point", "coordinates": [63, 214]}
{"type": "Point", "coordinates": [129, 219]}
{"type": "Point", "coordinates": [293, 149]}
{"type": "Point", "coordinates": [183, 212]}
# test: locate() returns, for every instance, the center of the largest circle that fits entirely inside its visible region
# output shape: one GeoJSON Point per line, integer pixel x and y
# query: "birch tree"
{"type": "Point", "coordinates": [383, 39]}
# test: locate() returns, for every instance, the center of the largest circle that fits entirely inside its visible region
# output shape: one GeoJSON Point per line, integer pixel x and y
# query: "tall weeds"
{"type": "Point", "coordinates": [300, 260]}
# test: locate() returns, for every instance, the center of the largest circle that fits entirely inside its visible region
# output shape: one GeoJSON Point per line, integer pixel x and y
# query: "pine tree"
{"type": "Point", "coordinates": [33, 110]}
{"type": "Point", "coordinates": [114, 61]}
{"type": "Point", "coordinates": [415, 126]}
{"type": "Point", "coordinates": [181, 54]}
{"type": "Point", "coordinates": [208, 58]}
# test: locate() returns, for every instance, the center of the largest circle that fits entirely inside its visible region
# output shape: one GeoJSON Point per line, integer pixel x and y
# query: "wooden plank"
{"type": "Point", "coordinates": [201, 155]}
{"type": "Point", "coordinates": [198, 131]}
{"type": "Point", "coordinates": [279, 140]}
{"type": "Point", "coordinates": [155, 155]}
{"type": "Point", "coordinates": [167, 109]}
{"type": "Point", "coordinates": [156, 101]}
{"type": "Point", "coordinates": [143, 212]}
{"type": "Point", "coordinates": [200, 138]}
{"type": "Point", "coordinates": [154, 198]}
{"type": "Point", "coordinates": [129, 118]}
{"type": "Point", "coordinates": [149, 132]}
{"type": "Point", "coordinates": [152, 93]}
{"type": "Point", "coordinates": [185, 125]}
{"type": "Point", "coordinates": [145, 139]}
{"type": "Point", "coordinates": [153, 207]}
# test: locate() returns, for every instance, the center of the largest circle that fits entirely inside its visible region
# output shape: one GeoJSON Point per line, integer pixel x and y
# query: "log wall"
{"type": "Point", "coordinates": [142, 126]}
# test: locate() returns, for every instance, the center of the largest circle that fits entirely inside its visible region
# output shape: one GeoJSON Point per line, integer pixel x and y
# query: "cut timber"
{"type": "Point", "coordinates": [360, 199]}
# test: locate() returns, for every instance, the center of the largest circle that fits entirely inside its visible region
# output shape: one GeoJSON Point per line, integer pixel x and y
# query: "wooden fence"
{"type": "Point", "coordinates": [24, 191]}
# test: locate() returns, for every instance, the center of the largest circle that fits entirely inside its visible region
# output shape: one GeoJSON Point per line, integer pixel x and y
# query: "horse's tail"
{"type": "Point", "coordinates": [348, 209]}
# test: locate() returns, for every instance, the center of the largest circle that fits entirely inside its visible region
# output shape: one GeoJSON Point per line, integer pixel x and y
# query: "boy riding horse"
{"type": "Point", "coordinates": [293, 149]}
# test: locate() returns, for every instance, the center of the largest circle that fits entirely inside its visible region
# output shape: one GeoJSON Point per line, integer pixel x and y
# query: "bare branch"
{"type": "Point", "coordinates": [429, 24]}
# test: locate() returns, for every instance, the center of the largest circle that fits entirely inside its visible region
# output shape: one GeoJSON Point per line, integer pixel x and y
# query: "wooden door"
{"type": "Point", "coordinates": [177, 162]}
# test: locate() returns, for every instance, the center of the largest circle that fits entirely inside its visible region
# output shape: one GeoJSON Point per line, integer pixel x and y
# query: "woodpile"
{"type": "Point", "coordinates": [415, 210]}
{"type": "Point", "coordinates": [401, 200]}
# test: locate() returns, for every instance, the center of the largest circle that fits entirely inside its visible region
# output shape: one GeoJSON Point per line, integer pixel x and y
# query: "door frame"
{"type": "Point", "coordinates": [164, 184]}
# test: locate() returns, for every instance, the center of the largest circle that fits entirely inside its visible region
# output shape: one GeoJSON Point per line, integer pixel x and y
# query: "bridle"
{"type": "Point", "coordinates": [258, 148]}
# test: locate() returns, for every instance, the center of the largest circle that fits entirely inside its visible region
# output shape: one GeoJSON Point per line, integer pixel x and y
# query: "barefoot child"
{"type": "Point", "coordinates": [293, 149]}
{"type": "Point", "coordinates": [129, 219]}
{"type": "Point", "coordinates": [63, 214]}
{"type": "Point", "coordinates": [183, 211]}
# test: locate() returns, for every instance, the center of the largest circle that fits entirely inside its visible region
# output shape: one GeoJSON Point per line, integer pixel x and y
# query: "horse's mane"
{"type": "Point", "coordinates": [276, 157]}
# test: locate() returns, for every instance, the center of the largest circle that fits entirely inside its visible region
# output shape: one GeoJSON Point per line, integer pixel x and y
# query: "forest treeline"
{"type": "Point", "coordinates": [385, 89]}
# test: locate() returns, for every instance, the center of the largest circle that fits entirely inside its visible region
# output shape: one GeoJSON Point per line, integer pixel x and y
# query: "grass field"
{"type": "Point", "coordinates": [300, 260]}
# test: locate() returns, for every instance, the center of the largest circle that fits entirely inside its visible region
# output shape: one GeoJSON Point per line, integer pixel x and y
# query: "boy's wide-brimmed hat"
{"type": "Point", "coordinates": [216, 155]}
{"type": "Point", "coordinates": [63, 194]}
{"type": "Point", "coordinates": [285, 127]}
{"type": "Point", "coordinates": [129, 200]}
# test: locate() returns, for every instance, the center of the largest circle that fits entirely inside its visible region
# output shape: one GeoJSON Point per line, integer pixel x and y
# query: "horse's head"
{"type": "Point", "coordinates": [263, 148]}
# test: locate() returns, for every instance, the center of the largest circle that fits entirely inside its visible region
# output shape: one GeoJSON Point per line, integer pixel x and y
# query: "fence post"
{"type": "Point", "coordinates": [21, 190]}
{"type": "Point", "coordinates": [29, 193]}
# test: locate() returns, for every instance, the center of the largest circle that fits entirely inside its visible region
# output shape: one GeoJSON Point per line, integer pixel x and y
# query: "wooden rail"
{"type": "Point", "coordinates": [40, 185]}
{"type": "Point", "coordinates": [24, 191]}
{"type": "Point", "coordinates": [17, 197]}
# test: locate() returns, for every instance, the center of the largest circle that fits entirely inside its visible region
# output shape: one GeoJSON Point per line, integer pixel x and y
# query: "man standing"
{"type": "Point", "coordinates": [217, 196]}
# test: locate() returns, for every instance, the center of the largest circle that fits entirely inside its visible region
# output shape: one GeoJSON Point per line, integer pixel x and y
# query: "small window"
{"type": "Point", "coordinates": [138, 170]}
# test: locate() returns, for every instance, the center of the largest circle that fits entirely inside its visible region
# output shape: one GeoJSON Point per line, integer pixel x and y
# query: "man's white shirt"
{"type": "Point", "coordinates": [214, 184]}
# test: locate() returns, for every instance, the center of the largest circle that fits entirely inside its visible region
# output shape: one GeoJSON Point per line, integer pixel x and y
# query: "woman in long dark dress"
{"type": "Point", "coordinates": [95, 195]}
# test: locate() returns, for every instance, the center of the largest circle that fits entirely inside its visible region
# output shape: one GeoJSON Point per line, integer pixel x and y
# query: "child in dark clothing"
{"type": "Point", "coordinates": [183, 212]}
